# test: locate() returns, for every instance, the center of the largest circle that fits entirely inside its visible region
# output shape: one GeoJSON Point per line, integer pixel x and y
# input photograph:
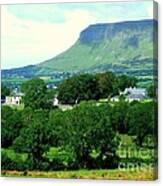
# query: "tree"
{"type": "Point", "coordinates": [36, 94]}
{"type": "Point", "coordinates": [125, 81]}
{"type": "Point", "coordinates": [107, 84]}
{"type": "Point", "coordinates": [11, 124]}
{"type": "Point", "coordinates": [5, 91]}
{"type": "Point", "coordinates": [78, 88]}
{"type": "Point", "coordinates": [34, 138]}
{"type": "Point", "coordinates": [141, 120]}
{"type": "Point", "coordinates": [152, 91]}
{"type": "Point", "coordinates": [119, 112]}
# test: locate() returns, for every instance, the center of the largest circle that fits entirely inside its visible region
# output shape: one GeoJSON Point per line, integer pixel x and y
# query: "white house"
{"type": "Point", "coordinates": [135, 94]}
{"type": "Point", "coordinates": [134, 91]}
{"type": "Point", "coordinates": [135, 97]}
{"type": "Point", "coordinates": [132, 94]}
{"type": "Point", "coordinates": [13, 100]}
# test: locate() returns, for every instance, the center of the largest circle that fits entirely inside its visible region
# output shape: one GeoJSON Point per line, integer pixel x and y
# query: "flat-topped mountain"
{"type": "Point", "coordinates": [124, 47]}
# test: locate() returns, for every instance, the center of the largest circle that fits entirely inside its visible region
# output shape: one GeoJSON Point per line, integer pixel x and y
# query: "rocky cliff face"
{"type": "Point", "coordinates": [100, 32]}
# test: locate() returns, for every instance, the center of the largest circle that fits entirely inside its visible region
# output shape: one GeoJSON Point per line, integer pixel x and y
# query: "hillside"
{"type": "Point", "coordinates": [124, 47]}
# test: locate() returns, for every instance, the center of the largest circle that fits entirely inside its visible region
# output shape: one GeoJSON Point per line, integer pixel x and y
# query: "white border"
{"type": "Point", "coordinates": [60, 1]}
{"type": "Point", "coordinates": [50, 182]}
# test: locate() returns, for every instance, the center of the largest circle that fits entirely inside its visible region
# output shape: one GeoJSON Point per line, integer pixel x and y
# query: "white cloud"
{"type": "Point", "coordinates": [29, 42]}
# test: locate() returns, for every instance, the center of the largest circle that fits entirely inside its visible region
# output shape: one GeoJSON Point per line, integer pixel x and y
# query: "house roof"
{"type": "Point", "coordinates": [136, 96]}
{"type": "Point", "coordinates": [19, 94]}
{"type": "Point", "coordinates": [135, 90]}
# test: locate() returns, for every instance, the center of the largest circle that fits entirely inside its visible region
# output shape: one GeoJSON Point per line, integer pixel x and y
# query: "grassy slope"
{"type": "Point", "coordinates": [115, 52]}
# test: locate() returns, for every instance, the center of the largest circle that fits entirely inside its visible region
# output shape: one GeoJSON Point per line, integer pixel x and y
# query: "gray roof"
{"type": "Point", "coordinates": [135, 90]}
{"type": "Point", "coordinates": [136, 96]}
{"type": "Point", "coordinates": [19, 94]}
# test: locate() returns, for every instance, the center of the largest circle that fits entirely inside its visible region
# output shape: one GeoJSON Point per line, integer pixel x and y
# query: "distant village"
{"type": "Point", "coordinates": [129, 94]}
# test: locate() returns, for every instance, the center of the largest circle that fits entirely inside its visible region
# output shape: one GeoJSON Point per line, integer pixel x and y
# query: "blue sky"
{"type": "Point", "coordinates": [32, 33]}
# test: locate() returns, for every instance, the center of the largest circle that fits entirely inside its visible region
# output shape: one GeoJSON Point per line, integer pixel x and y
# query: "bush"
{"type": "Point", "coordinates": [8, 164]}
{"type": "Point", "coordinates": [59, 158]}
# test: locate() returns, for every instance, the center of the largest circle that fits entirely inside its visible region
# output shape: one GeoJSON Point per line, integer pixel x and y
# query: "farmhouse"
{"type": "Point", "coordinates": [132, 94]}
{"type": "Point", "coordinates": [135, 91]}
{"type": "Point", "coordinates": [135, 97]}
{"type": "Point", "coordinates": [15, 99]}
{"type": "Point", "coordinates": [135, 94]}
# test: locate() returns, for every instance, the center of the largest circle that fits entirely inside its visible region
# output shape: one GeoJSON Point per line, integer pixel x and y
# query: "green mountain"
{"type": "Point", "coordinates": [124, 47]}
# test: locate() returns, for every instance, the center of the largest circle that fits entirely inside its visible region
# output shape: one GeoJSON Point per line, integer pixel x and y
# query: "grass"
{"type": "Point", "coordinates": [14, 80]}
{"type": "Point", "coordinates": [18, 107]}
{"type": "Point", "coordinates": [144, 174]}
{"type": "Point", "coordinates": [116, 51]}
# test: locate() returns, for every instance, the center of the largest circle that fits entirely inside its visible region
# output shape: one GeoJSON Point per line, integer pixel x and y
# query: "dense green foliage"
{"type": "Point", "coordinates": [80, 126]}
{"type": "Point", "coordinates": [5, 91]}
{"type": "Point", "coordinates": [118, 116]}
{"type": "Point", "coordinates": [11, 123]}
{"type": "Point", "coordinates": [84, 137]}
{"type": "Point", "coordinates": [36, 94]}
{"type": "Point", "coordinates": [13, 161]}
{"type": "Point", "coordinates": [126, 81]}
{"type": "Point", "coordinates": [34, 138]}
{"type": "Point", "coordinates": [142, 120]}
{"type": "Point", "coordinates": [93, 87]}
{"type": "Point", "coordinates": [75, 89]}
{"type": "Point", "coordinates": [152, 90]}
{"type": "Point", "coordinates": [107, 84]}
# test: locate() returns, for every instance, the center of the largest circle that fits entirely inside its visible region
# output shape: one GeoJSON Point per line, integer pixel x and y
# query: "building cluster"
{"type": "Point", "coordinates": [132, 94]}
{"type": "Point", "coordinates": [129, 94]}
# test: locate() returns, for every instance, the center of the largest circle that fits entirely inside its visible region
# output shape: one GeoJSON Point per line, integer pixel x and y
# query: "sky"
{"type": "Point", "coordinates": [33, 33]}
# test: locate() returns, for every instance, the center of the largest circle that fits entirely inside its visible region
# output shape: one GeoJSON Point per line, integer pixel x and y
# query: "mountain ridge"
{"type": "Point", "coordinates": [121, 47]}
{"type": "Point", "coordinates": [90, 39]}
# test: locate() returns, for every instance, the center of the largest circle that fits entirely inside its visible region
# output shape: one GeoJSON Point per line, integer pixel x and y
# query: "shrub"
{"type": "Point", "coordinates": [8, 164]}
